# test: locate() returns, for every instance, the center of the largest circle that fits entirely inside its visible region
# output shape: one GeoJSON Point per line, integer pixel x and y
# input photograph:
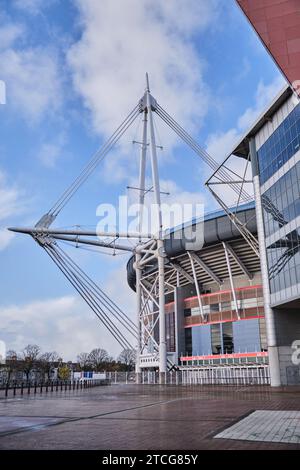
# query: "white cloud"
{"type": "Point", "coordinates": [9, 33]}
{"type": "Point", "coordinates": [219, 145]}
{"type": "Point", "coordinates": [50, 152]}
{"type": "Point", "coordinates": [32, 7]}
{"type": "Point", "coordinates": [121, 41]}
{"type": "Point", "coordinates": [31, 74]}
{"type": "Point", "coordinates": [5, 238]}
{"type": "Point", "coordinates": [64, 324]}
{"type": "Point", "coordinates": [9, 197]}
{"type": "Point", "coordinates": [11, 203]}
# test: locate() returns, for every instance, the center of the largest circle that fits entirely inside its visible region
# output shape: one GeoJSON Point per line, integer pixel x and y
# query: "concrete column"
{"type": "Point", "coordinates": [138, 311]}
{"type": "Point", "coordinates": [269, 314]}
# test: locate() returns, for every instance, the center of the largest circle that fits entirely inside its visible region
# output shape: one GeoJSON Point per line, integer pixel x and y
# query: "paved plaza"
{"type": "Point", "coordinates": [153, 417]}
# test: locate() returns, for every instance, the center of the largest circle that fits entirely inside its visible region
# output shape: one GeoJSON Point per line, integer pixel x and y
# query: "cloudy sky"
{"type": "Point", "coordinates": [73, 70]}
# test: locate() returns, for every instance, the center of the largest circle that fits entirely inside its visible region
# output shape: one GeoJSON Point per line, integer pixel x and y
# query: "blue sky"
{"type": "Point", "coordinates": [73, 69]}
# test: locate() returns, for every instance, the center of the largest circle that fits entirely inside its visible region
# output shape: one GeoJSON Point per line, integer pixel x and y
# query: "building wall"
{"type": "Point", "coordinates": [287, 324]}
{"type": "Point", "coordinates": [278, 153]}
{"type": "Point", "coordinates": [194, 337]}
{"type": "Point", "coordinates": [278, 156]}
{"type": "Point", "coordinates": [246, 336]}
{"type": "Point", "coordinates": [277, 23]}
{"type": "Point", "coordinates": [201, 340]}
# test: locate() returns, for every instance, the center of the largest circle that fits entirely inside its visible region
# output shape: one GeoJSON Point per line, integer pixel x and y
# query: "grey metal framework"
{"type": "Point", "coordinates": [148, 333]}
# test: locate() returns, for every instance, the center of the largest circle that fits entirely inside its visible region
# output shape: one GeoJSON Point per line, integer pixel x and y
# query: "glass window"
{"type": "Point", "coordinates": [281, 202]}
{"type": "Point", "coordinates": [280, 146]}
{"type": "Point", "coordinates": [216, 344]}
{"type": "Point", "coordinates": [283, 262]}
{"type": "Point", "coordinates": [227, 334]}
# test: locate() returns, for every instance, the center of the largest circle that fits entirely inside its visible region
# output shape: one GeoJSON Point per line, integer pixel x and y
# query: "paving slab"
{"type": "Point", "coordinates": [266, 426]}
{"type": "Point", "coordinates": [151, 417]}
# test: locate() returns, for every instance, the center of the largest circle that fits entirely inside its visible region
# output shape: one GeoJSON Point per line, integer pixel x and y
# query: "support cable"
{"type": "Point", "coordinates": [100, 294]}
{"type": "Point", "coordinates": [96, 159]}
{"type": "Point", "coordinates": [196, 148]}
{"type": "Point", "coordinates": [124, 343]}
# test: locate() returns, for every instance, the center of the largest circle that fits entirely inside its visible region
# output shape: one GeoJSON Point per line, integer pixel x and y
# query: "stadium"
{"type": "Point", "coordinates": [222, 319]}
{"type": "Point", "coordinates": [233, 299]}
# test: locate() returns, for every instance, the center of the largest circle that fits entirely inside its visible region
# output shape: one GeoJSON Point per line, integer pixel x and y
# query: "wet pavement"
{"type": "Point", "coordinates": [148, 417]}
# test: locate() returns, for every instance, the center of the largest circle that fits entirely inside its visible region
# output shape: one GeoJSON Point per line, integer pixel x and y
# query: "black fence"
{"type": "Point", "coordinates": [14, 388]}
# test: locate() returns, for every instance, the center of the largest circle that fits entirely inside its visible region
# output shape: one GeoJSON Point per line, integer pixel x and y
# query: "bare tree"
{"type": "Point", "coordinates": [12, 364]}
{"type": "Point", "coordinates": [30, 358]}
{"type": "Point", "coordinates": [46, 362]}
{"type": "Point", "coordinates": [83, 360]}
{"type": "Point", "coordinates": [127, 357]}
{"type": "Point", "coordinates": [97, 358]}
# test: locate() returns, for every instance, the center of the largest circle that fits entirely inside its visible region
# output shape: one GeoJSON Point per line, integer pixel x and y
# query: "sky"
{"type": "Point", "coordinates": [73, 69]}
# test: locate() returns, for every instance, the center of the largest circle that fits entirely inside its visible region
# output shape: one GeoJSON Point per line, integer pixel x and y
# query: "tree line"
{"type": "Point", "coordinates": [32, 360]}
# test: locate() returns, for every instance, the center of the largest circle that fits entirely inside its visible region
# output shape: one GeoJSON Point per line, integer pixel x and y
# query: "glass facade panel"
{"type": "Point", "coordinates": [284, 262]}
{"type": "Point", "coordinates": [188, 341]}
{"type": "Point", "coordinates": [280, 146]}
{"type": "Point", "coordinates": [227, 334]}
{"type": "Point", "coordinates": [281, 203]}
{"type": "Point", "coordinates": [216, 344]}
{"type": "Point", "coordinates": [170, 332]}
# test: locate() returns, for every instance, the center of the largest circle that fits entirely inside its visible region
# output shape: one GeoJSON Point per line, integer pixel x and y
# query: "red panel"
{"type": "Point", "coordinates": [277, 23]}
{"type": "Point", "coordinates": [293, 45]}
{"type": "Point", "coordinates": [294, 59]}
{"type": "Point", "coordinates": [258, 15]}
{"type": "Point", "coordinates": [225, 356]}
{"type": "Point", "coordinates": [292, 32]}
{"type": "Point", "coordinates": [279, 48]}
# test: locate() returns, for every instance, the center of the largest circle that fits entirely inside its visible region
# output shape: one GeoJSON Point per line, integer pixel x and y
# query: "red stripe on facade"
{"type": "Point", "coordinates": [222, 321]}
{"type": "Point", "coordinates": [225, 356]}
{"type": "Point", "coordinates": [259, 286]}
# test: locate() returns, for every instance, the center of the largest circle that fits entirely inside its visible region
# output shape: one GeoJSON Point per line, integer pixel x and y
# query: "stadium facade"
{"type": "Point", "coordinates": [226, 304]}
{"type": "Point", "coordinates": [222, 318]}
{"type": "Point", "coordinates": [275, 162]}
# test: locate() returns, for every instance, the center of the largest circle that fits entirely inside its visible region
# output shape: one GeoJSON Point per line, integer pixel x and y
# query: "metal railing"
{"type": "Point", "coordinates": [213, 375]}
{"type": "Point", "coordinates": [28, 388]}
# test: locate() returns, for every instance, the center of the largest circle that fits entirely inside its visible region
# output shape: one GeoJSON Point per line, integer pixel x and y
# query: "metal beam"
{"type": "Point", "coordinates": [150, 103]}
{"type": "Point", "coordinates": [182, 271]}
{"type": "Point", "coordinates": [197, 287]}
{"type": "Point", "coordinates": [231, 279]}
{"type": "Point", "coordinates": [239, 261]}
{"type": "Point", "coordinates": [204, 266]}
{"type": "Point", "coordinates": [87, 233]}
{"type": "Point", "coordinates": [86, 241]}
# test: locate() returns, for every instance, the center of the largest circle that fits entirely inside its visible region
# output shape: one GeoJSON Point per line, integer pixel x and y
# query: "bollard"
{"type": "Point", "coordinates": [51, 385]}
{"type": "Point", "coordinates": [34, 388]}
{"type": "Point", "coordinates": [41, 387]}
{"type": "Point", "coordinates": [15, 388]}
{"type": "Point", "coordinates": [22, 385]}
{"type": "Point", "coordinates": [28, 389]}
{"type": "Point", "coordinates": [47, 386]}
{"type": "Point", "coordinates": [6, 389]}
